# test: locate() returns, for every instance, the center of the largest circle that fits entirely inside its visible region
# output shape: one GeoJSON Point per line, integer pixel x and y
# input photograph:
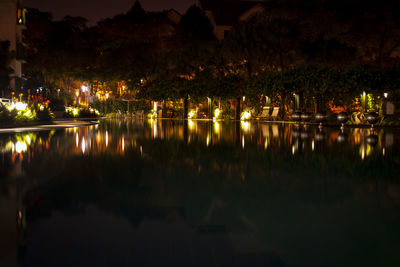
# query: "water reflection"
{"type": "Point", "coordinates": [113, 137]}
{"type": "Point", "coordinates": [208, 191]}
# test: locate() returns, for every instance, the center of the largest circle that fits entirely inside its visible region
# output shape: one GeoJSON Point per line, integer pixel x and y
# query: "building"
{"type": "Point", "coordinates": [224, 14]}
{"type": "Point", "coordinates": [12, 25]}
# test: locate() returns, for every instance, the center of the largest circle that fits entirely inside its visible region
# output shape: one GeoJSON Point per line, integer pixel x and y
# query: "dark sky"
{"type": "Point", "coordinates": [98, 9]}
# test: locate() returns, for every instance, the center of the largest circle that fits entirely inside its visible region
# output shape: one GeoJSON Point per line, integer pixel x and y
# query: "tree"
{"type": "Point", "coordinates": [196, 26]}
{"type": "Point", "coordinates": [136, 14]}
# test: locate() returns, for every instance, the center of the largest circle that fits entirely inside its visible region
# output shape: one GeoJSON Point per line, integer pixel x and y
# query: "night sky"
{"type": "Point", "coordinates": [98, 9]}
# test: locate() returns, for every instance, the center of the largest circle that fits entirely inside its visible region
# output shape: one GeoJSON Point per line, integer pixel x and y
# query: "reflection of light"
{"type": "Point", "coordinates": [191, 125]}
{"type": "Point", "coordinates": [266, 143]}
{"type": "Point", "coordinates": [245, 126]}
{"type": "Point", "coordinates": [216, 127]}
{"type": "Point", "coordinates": [385, 95]}
{"type": "Point", "coordinates": [295, 147]}
{"type": "Point", "coordinates": [155, 130]}
{"type": "Point", "coordinates": [28, 139]}
{"type": "Point", "coordinates": [83, 145]}
{"type": "Point", "coordinates": [313, 145]}
{"type": "Point", "coordinates": [141, 151]}
{"type": "Point", "coordinates": [123, 143]}
{"type": "Point", "coordinates": [20, 147]}
{"type": "Point", "coordinates": [208, 140]}
{"type": "Point", "coordinates": [77, 140]}
{"type": "Point", "coordinates": [243, 142]}
{"type": "Point", "coordinates": [383, 151]}
{"type": "Point", "coordinates": [106, 138]}
{"type": "Point", "coordinates": [363, 152]}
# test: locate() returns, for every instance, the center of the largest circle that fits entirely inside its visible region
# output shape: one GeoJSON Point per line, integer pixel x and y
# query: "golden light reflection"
{"type": "Point", "coordinates": [313, 145]}
{"type": "Point", "coordinates": [20, 147]}
{"type": "Point", "coordinates": [83, 145]}
{"type": "Point", "coordinates": [217, 127]}
{"type": "Point", "coordinates": [155, 129]}
{"type": "Point", "coordinates": [191, 125]}
{"type": "Point", "coordinates": [245, 126]}
{"type": "Point", "coordinates": [365, 151]}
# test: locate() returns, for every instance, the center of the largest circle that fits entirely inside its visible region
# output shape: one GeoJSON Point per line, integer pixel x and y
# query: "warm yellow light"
{"type": "Point", "coordinates": [245, 126]}
{"type": "Point", "coordinates": [217, 127]}
{"type": "Point", "coordinates": [20, 106]}
{"type": "Point", "coordinates": [217, 113]}
{"type": "Point", "coordinates": [246, 115]}
{"type": "Point", "coordinates": [191, 125]}
{"type": "Point", "coordinates": [192, 114]}
{"type": "Point", "coordinates": [20, 147]}
{"type": "Point", "coordinates": [83, 145]}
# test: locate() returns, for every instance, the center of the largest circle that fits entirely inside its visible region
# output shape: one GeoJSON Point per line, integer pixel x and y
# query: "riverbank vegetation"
{"type": "Point", "coordinates": [309, 57]}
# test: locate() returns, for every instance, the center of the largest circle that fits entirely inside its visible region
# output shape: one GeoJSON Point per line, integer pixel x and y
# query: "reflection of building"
{"type": "Point", "coordinates": [12, 23]}
{"type": "Point", "coordinates": [224, 14]}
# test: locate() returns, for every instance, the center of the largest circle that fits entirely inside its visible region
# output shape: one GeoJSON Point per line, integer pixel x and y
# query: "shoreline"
{"type": "Point", "coordinates": [83, 122]}
{"type": "Point", "coordinates": [46, 126]}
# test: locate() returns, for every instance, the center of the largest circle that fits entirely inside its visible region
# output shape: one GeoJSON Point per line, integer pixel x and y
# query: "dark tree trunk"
{"type": "Point", "coordinates": [237, 109]}
{"type": "Point", "coordinates": [186, 108]}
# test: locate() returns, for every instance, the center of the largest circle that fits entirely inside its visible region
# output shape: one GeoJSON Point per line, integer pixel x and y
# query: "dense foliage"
{"type": "Point", "coordinates": [326, 50]}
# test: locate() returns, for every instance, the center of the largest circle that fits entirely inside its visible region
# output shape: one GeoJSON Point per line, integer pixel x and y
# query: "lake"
{"type": "Point", "coordinates": [199, 193]}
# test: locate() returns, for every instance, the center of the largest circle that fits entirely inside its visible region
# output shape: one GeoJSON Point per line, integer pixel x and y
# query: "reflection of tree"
{"type": "Point", "coordinates": [193, 175]}
{"type": "Point", "coordinates": [271, 193]}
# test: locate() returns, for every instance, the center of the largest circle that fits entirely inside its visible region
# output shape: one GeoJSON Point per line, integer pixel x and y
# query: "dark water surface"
{"type": "Point", "coordinates": [162, 193]}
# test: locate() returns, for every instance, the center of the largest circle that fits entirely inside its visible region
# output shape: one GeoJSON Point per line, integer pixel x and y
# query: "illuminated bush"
{"type": "Point", "coordinates": [73, 112]}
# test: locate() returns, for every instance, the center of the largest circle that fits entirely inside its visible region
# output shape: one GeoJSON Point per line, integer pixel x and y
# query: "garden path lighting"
{"type": "Point", "coordinates": [342, 118]}
{"type": "Point", "coordinates": [192, 114]}
{"type": "Point", "coordinates": [246, 115]}
{"type": "Point", "coordinates": [217, 113]}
